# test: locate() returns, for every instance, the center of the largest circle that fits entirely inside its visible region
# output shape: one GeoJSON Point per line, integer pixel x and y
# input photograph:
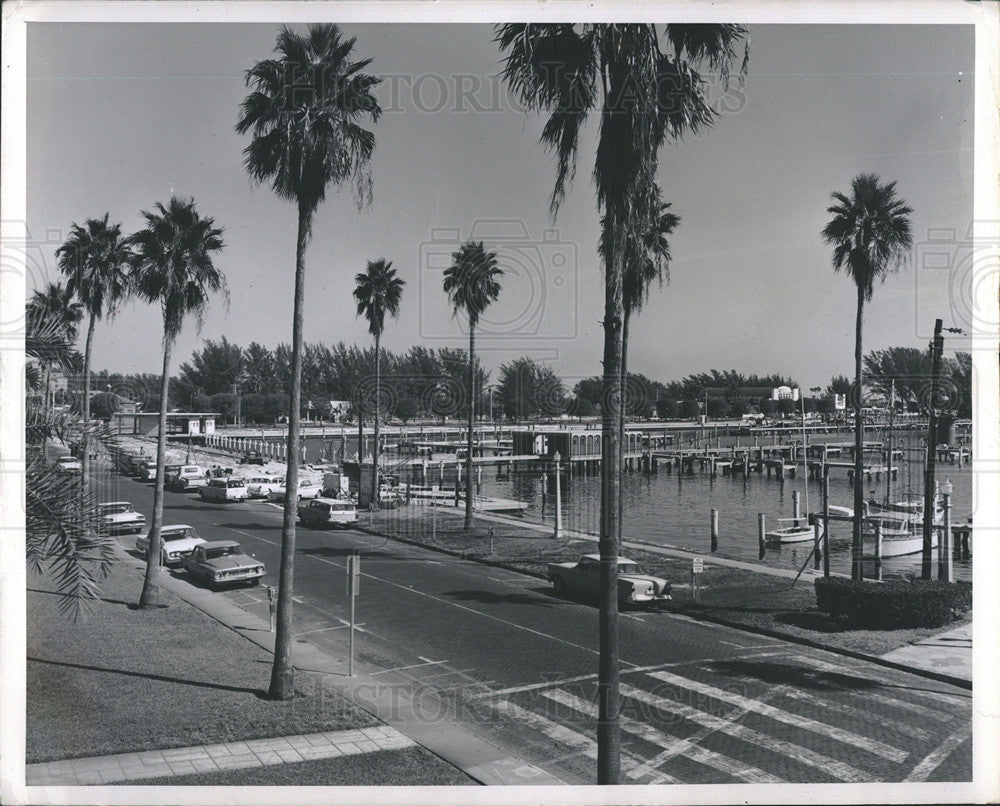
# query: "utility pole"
{"type": "Point", "coordinates": [937, 347]}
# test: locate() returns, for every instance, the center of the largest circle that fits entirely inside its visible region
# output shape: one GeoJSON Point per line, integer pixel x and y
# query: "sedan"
{"type": "Point", "coordinates": [223, 562]}
{"type": "Point", "coordinates": [119, 517]}
{"type": "Point", "coordinates": [583, 579]}
{"type": "Point", "coordinates": [178, 543]}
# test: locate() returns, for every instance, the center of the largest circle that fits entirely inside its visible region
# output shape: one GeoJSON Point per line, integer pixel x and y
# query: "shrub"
{"type": "Point", "coordinates": [893, 604]}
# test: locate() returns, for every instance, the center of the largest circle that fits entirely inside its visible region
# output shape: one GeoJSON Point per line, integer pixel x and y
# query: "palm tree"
{"type": "Point", "coordinates": [56, 306]}
{"type": "Point", "coordinates": [648, 261]}
{"type": "Point", "coordinates": [378, 291]}
{"type": "Point", "coordinates": [643, 82]}
{"type": "Point", "coordinates": [94, 259]}
{"type": "Point", "coordinates": [870, 235]}
{"type": "Point", "coordinates": [304, 114]}
{"type": "Point", "coordinates": [471, 285]}
{"type": "Point", "coordinates": [172, 265]}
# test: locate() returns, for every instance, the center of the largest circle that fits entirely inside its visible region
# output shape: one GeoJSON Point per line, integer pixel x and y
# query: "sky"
{"type": "Point", "coordinates": [121, 116]}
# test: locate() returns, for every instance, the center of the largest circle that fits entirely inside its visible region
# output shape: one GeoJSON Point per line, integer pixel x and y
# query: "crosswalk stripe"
{"type": "Point", "coordinates": [566, 736]}
{"type": "Point", "coordinates": [853, 711]}
{"type": "Point", "coordinates": [838, 769]}
{"type": "Point", "coordinates": [671, 745]}
{"type": "Point", "coordinates": [933, 760]}
{"type": "Point", "coordinates": [951, 700]}
{"type": "Point", "coordinates": [828, 731]}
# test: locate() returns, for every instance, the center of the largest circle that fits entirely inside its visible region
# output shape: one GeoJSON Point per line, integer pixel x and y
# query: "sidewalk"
{"type": "Point", "coordinates": [948, 652]}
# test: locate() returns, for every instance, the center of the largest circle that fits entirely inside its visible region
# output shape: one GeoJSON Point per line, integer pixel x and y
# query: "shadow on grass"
{"type": "Point", "coordinates": [150, 676]}
{"type": "Point", "coordinates": [812, 620]}
{"type": "Point", "coordinates": [71, 596]}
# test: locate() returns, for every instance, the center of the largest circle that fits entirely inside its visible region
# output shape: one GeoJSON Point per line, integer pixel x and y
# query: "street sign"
{"type": "Point", "coordinates": [839, 402]}
{"type": "Point", "coordinates": [697, 565]}
{"type": "Point", "coordinates": [353, 574]}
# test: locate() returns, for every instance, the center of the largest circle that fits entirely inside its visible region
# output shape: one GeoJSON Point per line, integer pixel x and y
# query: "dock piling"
{"type": "Point", "coordinates": [715, 530]}
{"type": "Point", "coordinates": [761, 541]}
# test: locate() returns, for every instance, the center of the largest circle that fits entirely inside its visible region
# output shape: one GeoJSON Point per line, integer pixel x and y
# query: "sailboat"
{"type": "Point", "coordinates": [797, 529]}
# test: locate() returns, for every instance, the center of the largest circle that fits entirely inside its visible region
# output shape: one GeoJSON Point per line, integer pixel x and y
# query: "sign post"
{"type": "Point", "coordinates": [557, 531]}
{"type": "Point", "coordinates": [353, 577]}
{"type": "Point", "coordinates": [272, 603]}
{"type": "Point", "coordinates": [697, 566]}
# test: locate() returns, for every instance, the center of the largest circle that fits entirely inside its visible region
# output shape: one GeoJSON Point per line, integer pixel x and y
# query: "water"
{"type": "Point", "coordinates": [674, 509]}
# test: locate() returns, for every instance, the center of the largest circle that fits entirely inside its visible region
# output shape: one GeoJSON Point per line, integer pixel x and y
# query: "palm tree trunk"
{"type": "Point", "coordinates": [150, 596]}
{"type": "Point", "coordinates": [472, 423]}
{"type": "Point", "coordinates": [374, 503]}
{"type": "Point", "coordinates": [859, 436]}
{"type": "Point", "coordinates": [85, 459]}
{"type": "Point", "coordinates": [621, 420]}
{"type": "Point", "coordinates": [608, 728]}
{"type": "Point", "coordinates": [282, 675]}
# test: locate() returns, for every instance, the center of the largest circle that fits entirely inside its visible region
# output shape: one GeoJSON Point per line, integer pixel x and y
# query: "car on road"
{"type": "Point", "coordinates": [307, 489]}
{"type": "Point", "coordinates": [69, 464]}
{"type": "Point", "coordinates": [223, 562]}
{"type": "Point", "coordinates": [187, 479]}
{"type": "Point", "coordinates": [582, 579]}
{"type": "Point", "coordinates": [120, 517]}
{"type": "Point", "coordinates": [179, 541]}
{"type": "Point", "coordinates": [223, 490]}
{"type": "Point", "coordinates": [252, 458]}
{"type": "Point", "coordinates": [263, 486]}
{"type": "Point", "coordinates": [328, 512]}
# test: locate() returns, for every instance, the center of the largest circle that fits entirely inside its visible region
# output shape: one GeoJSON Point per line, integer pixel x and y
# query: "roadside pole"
{"type": "Point", "coordinates": [557, 532]}
{"type": "Point", "coordinates": [946, 569]}
{"type": "Point", "coordinates": [353, 575]}
{"type": "Point", "coordinates": [272, 603]}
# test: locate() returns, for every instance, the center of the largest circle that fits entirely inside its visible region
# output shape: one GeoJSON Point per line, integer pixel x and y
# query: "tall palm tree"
{"type": "Point", "coordinates": [304, 114]}
{"type": "Point", "coordinates": [56, 306]}
{"type": "Point", "coordinates": [648, 261]}
{"type": "Point", "coordinates": [870, 235]}
{"type": "Point", "coordinates": [172, 265]}
{"type": "Point", "coordinates": [643, 82]}
{"type": "Point", "coordinates": [471, 285]}
{"type": "Point", "coordinates": [95, 260]}
{"type": "Point", "coordinates": [378, 291]}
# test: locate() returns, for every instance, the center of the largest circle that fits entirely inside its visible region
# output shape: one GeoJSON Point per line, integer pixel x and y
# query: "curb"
{"type": "Point", "coordinates": [764, 631]}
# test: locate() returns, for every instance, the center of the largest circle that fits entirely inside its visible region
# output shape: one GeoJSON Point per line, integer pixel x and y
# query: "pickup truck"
{"type": "Point", "coordinates": [582, 579]}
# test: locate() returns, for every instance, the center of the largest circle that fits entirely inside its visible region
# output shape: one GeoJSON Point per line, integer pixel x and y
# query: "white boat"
{"type": "Point", "coordinates": [798, 530]}
{"type": "Point", "coordinates": [898, 540]}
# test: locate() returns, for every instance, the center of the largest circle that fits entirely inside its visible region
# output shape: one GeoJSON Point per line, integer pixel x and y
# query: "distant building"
{"type": "Point", "coordinates": [146, 424]}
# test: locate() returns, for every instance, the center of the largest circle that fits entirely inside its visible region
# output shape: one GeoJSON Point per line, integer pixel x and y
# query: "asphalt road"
{"type": "Point", "coordinates": [702, 703]}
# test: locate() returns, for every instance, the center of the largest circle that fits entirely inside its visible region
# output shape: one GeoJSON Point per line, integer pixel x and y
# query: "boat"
{"type": "Point", "coordinates": [799, 530]}
{"type": "Point", "coordinates": [899, 538]}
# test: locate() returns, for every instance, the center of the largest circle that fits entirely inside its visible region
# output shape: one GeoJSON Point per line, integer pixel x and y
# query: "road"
{"type": "Point", "coordinates": [701, 703]}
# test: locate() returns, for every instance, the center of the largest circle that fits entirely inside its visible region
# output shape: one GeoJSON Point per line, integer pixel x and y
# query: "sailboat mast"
{"type": "Point", "coordinates": [805, 452]}
{"type": "Point", "coordinates": [888, 456]}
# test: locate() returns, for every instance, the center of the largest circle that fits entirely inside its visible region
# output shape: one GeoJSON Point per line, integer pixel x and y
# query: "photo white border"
{"type": "Point", "coordinates": [986, 623]}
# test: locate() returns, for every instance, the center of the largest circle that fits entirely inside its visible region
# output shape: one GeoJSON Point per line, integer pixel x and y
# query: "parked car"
{"type": "Point", "coordinates": [120, 517]}
{"type": "Point", "coordinates": [187, 478]}
{"type": "Point", "coordinates": [583, 579]}
{"type": "Point", "coordinates": [223, 562]}
{"type": "Point", "coordinates": [328, 512]}
{"type": "Point", "coordinates": [69, 464]}
{"type": "Point", "coordinates": [147, 470]}
{"type": "Point", "coordinates": [307, 489]}
{"type": "Point", "coordinates": [178, 542]}
{"type": "Point", "coordinates": [173, 473]}
{"type": "Point", "coordinates": [252, 458]}
{"type": "Point", "coordinates": [223, 490]}
{"type": "Point", "coordinates": [263, 486]}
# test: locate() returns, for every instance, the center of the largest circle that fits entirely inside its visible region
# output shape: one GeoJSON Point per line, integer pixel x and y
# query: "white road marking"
{"type": "Point", "coordinates": [443, 601]}
{"type": "Point", "coordinates": [411, 666]}
{"type": "Point", "coordinates": [593, 676]}
{"type": "Point", "coordinates": [680, 747]}
{"type": "Point", "coordinates": [853, 711]}
{"type": "Point", "coordinates": [803, 755]}
{"type": "Point", "coordinates": [871, 745]}
{"type": "Point", "coordinates": [566, 736]}
{"type": "Point", "coordinates": [934, 759]}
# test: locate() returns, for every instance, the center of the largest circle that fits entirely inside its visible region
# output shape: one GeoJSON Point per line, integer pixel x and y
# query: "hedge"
{"type": "Point", "coordinates": [893, 604]}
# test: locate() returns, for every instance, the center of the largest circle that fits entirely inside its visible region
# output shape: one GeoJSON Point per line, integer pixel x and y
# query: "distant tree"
{"type": "Point", "coordinates": [905, 368]}
{"type": "Point", "coordinates": [668, 409]}
{"type": "Point", "coordinates": [768, 407]}
{"type": "Point", "coordinates": [591, 389]}
{"type": "Point", "coordinates": [580, 407]}
{"type": "Point", "coordinates": [104, 405]}
{"type": "Point", "coordinates": [961, 384]}
{"type": "Point", "coordinates": [527, 389]}
{"type": "Point", "coordinates": [472, 283]}
{"type": "Point", "coordinates": [201, 402]}
{"type": "Point", "coordinates": [406, 408]}
{"type": "Point", "coordinates": [264, 408]}
{"type": "Point", "coordinates": [57, 305]}
{"type": "Point", "coordinates": [258, 369]}
{"type": "Point", "coordinates": [224, 403]}
{"type": "Point", "coordinates": [215, 368]}
{"type": "Point", "coordinates": [690, 408]}
{"type": "Point", "coordinates": [718, 407]}
{"type": "Point", "coordinates": [787, 407]}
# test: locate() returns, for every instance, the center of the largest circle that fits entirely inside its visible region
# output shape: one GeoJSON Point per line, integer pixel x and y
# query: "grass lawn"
{"type": "Point", "coordinates": [413, 766]}
{"type": "Point", "coordinates": [128, 680]}
{"type": "Point", "coordinates": [732, 595]}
